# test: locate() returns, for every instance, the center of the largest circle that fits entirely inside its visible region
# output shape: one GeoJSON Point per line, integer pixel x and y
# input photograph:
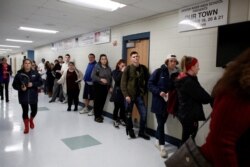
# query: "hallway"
{"type": "Point", "coordinates": [64, 139]}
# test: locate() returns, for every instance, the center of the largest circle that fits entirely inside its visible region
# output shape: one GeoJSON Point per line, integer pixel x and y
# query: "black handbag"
{"type": "Point", "coordinates": [188, 155]}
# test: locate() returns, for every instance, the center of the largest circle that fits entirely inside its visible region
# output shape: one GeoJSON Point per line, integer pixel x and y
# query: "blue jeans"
{"type": "Point", "coordinates": [139, 102]}
{"type": "Point", "coordinates": [160, 133]}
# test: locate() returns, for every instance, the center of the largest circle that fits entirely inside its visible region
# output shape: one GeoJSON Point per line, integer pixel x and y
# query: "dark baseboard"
{"type": "Point", "coordinates": [151, 132]}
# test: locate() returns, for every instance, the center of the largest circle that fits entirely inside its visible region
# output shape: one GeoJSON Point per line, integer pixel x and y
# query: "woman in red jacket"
{"type": "Point", "coordinates": [228, 142]}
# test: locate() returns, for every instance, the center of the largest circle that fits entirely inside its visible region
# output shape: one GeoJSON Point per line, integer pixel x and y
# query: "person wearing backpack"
{"type": "Point", "coordinates": [191, 97]}
{"type": "Point", "coordinates": [159, 84]}
{"type": "Point", "coordinates": [134, 86]}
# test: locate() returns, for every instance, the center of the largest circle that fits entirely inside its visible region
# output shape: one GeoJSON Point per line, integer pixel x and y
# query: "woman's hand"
{"type": "Point", "coordinates": [29, 84]}
{"type": "Point", "coordinates": [24, 88]}
{"type": "Point", "coordinates": [103, 80]}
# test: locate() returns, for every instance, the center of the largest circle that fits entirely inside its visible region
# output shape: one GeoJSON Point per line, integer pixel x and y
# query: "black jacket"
{"type": "Point", "coordinates": [117, 95]}
{"type": "Point", "coordinates": [30, 96]}
{"type": "Point", "coordinates": [191, 96]}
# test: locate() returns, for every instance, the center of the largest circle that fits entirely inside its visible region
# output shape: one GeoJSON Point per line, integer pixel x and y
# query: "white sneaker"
{"type": "Point", "coordinates": [163, 152]}
{"type": "Point", "coordinates": [91, 112]}
{"type": "Point", "coordinates": [84, 111]}
{"type": "Point", "coordinates": [116, 124]}
{"type": "Point", "coordinates": [65, 101]}
{"type": "Point", "coordinates": [157, 145]}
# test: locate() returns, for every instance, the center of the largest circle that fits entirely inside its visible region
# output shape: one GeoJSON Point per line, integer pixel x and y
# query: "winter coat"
{"type": "Point", "coordinates": [134, 84]}
{"type": "Point", "coordinates": [63, 78]}
{"type": "Point", "coordinates": [227, 143]}
{"type": "Point", "coordinates": [191, 96]}
{"type": "Point", "coordinates": [29, 96]}
{"type": "Point", "coordinates": [160, 81]}
{"type": "Point", "coordinates": [117, 93]}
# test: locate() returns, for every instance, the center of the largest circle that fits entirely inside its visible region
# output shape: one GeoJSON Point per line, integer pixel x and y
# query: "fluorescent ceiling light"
{"type": "Point", "coordinates": [38, 30]}
{"type": "Point", "coordinates": [18, 40]}
{"type": "Point", "coordinates": [1, 49]}
{"type": "Point", "coordinates": [9, 46]}
{"type": "Point", "coordinates": [107, 5]}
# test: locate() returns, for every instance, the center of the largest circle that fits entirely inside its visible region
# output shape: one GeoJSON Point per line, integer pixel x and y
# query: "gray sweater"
{"type": "Point", "coordinates": [100, 72]}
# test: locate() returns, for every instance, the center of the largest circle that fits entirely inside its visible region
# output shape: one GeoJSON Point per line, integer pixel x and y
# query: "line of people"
{"type": "Point", "coordinates": [132, 82]}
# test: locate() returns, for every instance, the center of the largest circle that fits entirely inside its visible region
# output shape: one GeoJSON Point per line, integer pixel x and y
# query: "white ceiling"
{"type": "Point", "coordinates": [70, 20]}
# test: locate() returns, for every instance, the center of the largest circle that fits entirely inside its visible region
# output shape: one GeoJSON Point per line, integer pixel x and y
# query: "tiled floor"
{"type": "Point", "coordinates": [69, 139]}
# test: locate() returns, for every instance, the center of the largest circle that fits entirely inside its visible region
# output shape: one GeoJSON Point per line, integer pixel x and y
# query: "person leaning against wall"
{"type": "Point", "coordinates": [228, 142]}
{"type": "Point", "coordinates": [191, 96]}
{"type": "Point", "coordinates": [26, 82]}
{"type": "Point", "coordinates": [88, 91]}
{"type": "Point", "coordinates": [6, 72]}
{"type": "Point", "coordinates": [57, 88]}
{"type": "Point", "coordinates": [102, 79]}
{"type": "Point", "coordinates": [159, 84]}
{"type": "Point", "coordinates": [134, 87]}
{"type": "Point", "coordinates": [117, 97]}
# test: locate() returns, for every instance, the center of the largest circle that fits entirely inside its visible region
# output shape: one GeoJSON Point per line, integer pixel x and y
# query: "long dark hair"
{"type": "Point", "coordinates": [103, 55]}
{"type": "Point", "coordinates": [236, 77]}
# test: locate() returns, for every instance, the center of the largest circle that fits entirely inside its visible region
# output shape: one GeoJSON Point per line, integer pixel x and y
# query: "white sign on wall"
{"type": "Point", "coordinates": [86, 39]}
{"type": "Point", "coordinates": [203, 15]}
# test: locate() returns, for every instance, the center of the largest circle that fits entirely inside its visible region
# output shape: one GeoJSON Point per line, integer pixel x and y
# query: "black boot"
{"type": "Point", "coordinates": [129, 126]}
{"type": "Point", "coordinates": [143, 135]}
{"type": "Point", "coordinates": [130, 132]}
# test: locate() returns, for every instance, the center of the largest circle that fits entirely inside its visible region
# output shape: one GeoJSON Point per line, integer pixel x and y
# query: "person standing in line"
{"type": "Point", "coordinates": [117, 96]}
{"type": "Point", "coordinates": [88, 92]}
{"type": "Point", "coordinates": [26, 82]}
{"type": "Point", "coordinates": [227, 143]}
{"type": "Point", "coordinates": [57, 88]}
{"type": "Point", "coordinates": [134, 87]}
{"type": "Point", "coordinates": [49, 79]}
{"type": "Point", "coordinates": [160, 82]}
{"type": "Point", "coordinates": [42, 72]}
{"type": "Point", "coordinates": [102, 78]}
{"type": "Point", "coordinates": [65, 68]}
{"type": "Point", "coordinates": [1, 84]}
{"type": "Point", "coordinates": [6, 72]}
{"type": "Point", "coordinates": [71, 81]}
{"type": "Point", "coordinates": [191, 96]}
{"type": "Point", "coordinates": [34, 66]}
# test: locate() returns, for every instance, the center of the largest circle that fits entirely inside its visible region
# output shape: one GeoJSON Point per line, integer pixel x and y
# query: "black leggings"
{"type": "Point", "coordinates": [100, 95]}
{"type": "Point", "coordinates": [119, 106]}
{"type": "Point", "coordinates": [6, 87]}
{"type": "Point", "coordinates": [189, 128]}
{"type": "Point", "coordinates": [73, 96]}
{"type": "Point", "coordinates": [25, 108]}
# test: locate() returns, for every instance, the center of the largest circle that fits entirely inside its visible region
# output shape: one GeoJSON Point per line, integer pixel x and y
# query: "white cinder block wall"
{"type": "Point", "coordinates": [164, 39]}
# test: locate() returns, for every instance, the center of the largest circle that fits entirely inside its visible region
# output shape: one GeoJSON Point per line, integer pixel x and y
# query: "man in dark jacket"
{"type": "Point", "coordinates": [134, 87]}
{"type": "Point", "coordinates": [159, 84]}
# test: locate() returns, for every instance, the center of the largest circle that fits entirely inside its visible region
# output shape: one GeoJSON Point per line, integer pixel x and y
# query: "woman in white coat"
{"type": "Point", "coordinates": [71, 82]}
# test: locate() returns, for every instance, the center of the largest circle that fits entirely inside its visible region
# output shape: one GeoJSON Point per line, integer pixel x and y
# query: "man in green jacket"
{"type": "Point", "coordinates": [134, 87]}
